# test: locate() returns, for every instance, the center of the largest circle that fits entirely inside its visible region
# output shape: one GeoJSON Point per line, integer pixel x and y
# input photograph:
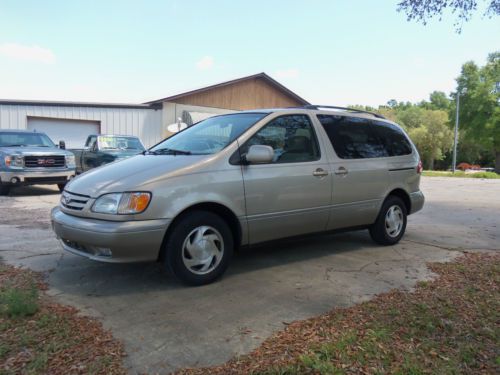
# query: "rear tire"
{"type": "Point", "coordinates": [199, 248]}
{"type": "Point", "coordinates": [391, 222]}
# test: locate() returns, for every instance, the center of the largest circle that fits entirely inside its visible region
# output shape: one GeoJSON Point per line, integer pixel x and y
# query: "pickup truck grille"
{"type": "Point", "coordinates": [73, 201]}
{"type": "Point", "coordinates": [56, 161]}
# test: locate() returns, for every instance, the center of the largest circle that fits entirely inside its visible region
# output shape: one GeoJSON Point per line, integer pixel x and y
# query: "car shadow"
{"type": "Point", "coordinates": [23, 191]}
{"type": "Point", "coordinates": [83, 277]}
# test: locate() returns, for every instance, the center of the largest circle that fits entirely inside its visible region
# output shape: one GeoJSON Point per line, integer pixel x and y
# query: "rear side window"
{"type": "Point", "coordinates": [352, 137]}
{"type": "Point", "coordinates": [393, 138]}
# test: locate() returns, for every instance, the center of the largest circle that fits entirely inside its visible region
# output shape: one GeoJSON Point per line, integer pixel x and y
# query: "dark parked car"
{"type": "Point", "coordinates": [104, 149]}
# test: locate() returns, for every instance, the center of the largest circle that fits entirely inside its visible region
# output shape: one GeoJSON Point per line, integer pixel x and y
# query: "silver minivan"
{"type": "Point", "coordinates": [240, 179]}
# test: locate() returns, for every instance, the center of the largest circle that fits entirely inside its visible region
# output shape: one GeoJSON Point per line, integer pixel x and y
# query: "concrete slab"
{"type": "Point", "coordinates": [166, 326]}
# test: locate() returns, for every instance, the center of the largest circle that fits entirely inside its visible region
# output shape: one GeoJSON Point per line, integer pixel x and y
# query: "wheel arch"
{"type": "Point", "coordinates": [405, 197]}
{"type": "Point", "coordinates": [223, 211]}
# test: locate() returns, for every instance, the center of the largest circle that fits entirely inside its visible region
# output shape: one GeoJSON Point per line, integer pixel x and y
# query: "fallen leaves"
{"type": "Point", "coordinates": [55, 339]}
{"type": "Point", "coordinates": [448, 325]}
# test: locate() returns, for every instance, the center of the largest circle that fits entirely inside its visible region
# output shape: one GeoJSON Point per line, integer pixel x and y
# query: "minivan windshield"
{"type": "Point", "coordinates": [208, 136]}
{"type": "Point", "coordinates": [15, 139]}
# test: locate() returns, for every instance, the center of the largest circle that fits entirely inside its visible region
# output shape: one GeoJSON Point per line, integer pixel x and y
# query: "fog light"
{"type": "Point", "coordinates": [102, 251]}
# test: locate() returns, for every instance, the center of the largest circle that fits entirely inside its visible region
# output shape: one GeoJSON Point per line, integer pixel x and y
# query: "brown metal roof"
{"type": "Point", "coordinates": [262, 75]}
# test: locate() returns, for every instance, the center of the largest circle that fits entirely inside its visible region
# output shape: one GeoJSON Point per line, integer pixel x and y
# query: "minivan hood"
{"type": "Point", "coordinates": [132, 174]}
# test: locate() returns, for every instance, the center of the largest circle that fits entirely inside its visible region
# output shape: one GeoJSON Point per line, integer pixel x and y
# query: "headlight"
{"type": "Point", "coordinates": [122, 203]}
{"type": "Point", "coordinates": [70, 160]}
{"type": "Point", "coordinates": [14, 161]}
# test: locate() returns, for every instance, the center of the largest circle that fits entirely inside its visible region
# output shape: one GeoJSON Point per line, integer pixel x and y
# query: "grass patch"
{"type": "Point", "coordinates": [450, 325]}
{"type": "Point", "coordinates": [487, 175]}
{"type": "Point", "coordinates": [38, 336]}
{"type": "Point", "coordinates": [15, 302]}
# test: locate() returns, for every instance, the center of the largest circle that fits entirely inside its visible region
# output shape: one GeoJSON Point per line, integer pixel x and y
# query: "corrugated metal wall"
{"type": "Point", "coordinates": [145, 123]}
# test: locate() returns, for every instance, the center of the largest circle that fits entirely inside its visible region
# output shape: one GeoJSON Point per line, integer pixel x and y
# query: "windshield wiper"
{"type": "Point", "coordinates": [14, 146]}
{"type": "Point", "coordinates": [168, 151]}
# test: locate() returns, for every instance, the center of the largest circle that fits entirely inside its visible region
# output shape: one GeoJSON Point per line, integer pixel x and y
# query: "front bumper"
{"type": "Point", "coordinates": [35, 177]}
{"type": "Point", "coordinates": [417, 200]}
{"type": "Point", "coordinates": [110, 241]}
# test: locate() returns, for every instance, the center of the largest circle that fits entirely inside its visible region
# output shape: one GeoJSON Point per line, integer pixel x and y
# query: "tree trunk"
{"type": "Point", "coordinates": [431, 164]}
{"type": "Point", "coordinates": [497, 161]}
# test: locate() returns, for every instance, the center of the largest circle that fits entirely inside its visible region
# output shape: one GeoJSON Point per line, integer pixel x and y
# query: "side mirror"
{"type": "Point", "coordinates": [62, 145]}
{"type": "Point", "coordinates": [259, 154]}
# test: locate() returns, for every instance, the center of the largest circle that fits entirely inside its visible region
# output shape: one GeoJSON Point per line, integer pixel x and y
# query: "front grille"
{"type": "Point", "coordinates": [55, 161]}
{"type": "Point", "coordinates": [73, 201]}
{"type": "Point", "coordinates": [76, 246]}
{"type": "Point", "coordinates": [45, 180]}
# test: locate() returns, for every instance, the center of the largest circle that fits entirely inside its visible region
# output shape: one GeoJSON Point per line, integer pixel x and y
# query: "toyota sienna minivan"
{"type": "Point", "coordinates": [240, 179]}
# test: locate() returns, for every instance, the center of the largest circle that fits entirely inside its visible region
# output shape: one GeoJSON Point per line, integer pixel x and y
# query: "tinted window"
{"type": "Point", "coordinates": [352, 137]}
{"type": "Point", "coordinates": [393, 138]}
{"type": "Point", "coordinates": [291, 137]}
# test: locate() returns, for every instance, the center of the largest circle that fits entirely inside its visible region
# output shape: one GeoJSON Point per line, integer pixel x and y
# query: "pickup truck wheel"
{"type": "Point", "coordinates": [61, 187]}
{"type": "Point", "coordinates": [391, 222]}
{"type": "Point", "coordinates": [199, 248]}
{"type": "Point", "coordinates": [4, 189]}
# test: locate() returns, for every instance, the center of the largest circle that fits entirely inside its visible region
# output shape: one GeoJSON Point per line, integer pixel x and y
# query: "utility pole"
{"type": "Point", "coordinates": [454, 166]}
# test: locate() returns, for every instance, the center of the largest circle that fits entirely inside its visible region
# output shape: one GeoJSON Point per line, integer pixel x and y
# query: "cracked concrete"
{"type": "Point", "coordinates": [166, 326]}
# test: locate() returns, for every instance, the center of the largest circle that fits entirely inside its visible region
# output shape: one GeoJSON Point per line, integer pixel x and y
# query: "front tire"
{"type": "Point", "coordinates": [199, 248]}
{"type": "Point", "coordinates": [61, 187]}
{"type": "Point", "coordinates": [391, 222]}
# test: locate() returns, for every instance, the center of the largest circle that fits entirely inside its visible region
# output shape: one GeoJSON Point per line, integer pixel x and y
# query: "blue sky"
{"type": "Point", "coordinates": [329, 52]}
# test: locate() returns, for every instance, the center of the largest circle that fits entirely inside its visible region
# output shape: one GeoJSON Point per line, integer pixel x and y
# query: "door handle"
{"type": "Point", "coordinates": [320, 172]}
{"type": "Point", "coordinates": [341, 171]}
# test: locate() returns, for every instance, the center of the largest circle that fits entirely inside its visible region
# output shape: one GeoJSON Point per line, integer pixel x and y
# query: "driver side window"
{"type": "Point", "coordinates": [91, 143]}
{"type": "Point", "coordinates": [291, 137]}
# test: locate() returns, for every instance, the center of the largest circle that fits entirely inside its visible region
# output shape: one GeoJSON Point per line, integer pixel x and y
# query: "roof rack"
{"type": "Point", "coordinates": [314, 106]}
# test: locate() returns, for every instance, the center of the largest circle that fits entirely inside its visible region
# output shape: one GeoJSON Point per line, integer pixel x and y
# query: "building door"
{"type": "Point", "coordinates": [73, 132]}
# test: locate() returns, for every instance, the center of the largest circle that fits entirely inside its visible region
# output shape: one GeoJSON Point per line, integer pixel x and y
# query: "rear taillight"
{"type": "Point", "coordinates": [419, 167]}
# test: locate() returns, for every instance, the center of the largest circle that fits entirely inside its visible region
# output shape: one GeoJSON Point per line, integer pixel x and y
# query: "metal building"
{"type": "Point", "coordinates": [74, 121]}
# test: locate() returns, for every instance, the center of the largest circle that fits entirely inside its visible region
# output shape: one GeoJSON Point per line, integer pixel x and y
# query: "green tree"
{"type": "Point", "coordinates": [412, 117]}
{"type": "Point", "coordinates": [423, 10]}
{"type": "Point", "coordinates": [439, 100]}
{"type": "Point", "coordinates": [479, 104]}
{"type": "Point", "coordinates": [432, 135]}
